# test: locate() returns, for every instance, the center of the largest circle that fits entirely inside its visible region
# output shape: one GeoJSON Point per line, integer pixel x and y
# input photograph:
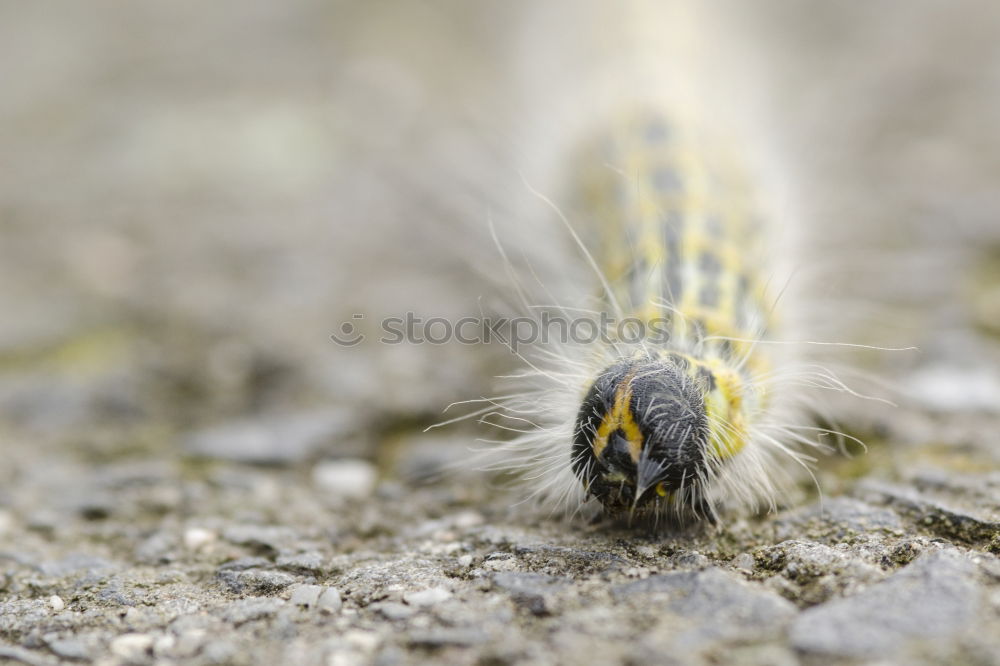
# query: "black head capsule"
{"type": "Point", "coordinates": [641, 433]}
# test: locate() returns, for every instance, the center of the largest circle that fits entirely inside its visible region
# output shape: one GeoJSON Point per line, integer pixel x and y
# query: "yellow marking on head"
{"type": "Point", "coordinates": [620, 417]}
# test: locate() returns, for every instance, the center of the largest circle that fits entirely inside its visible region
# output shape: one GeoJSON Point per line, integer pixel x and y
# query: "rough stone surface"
{"type": "Point", "coordinates": [936, 599]}
{"type": "Point", "coordinates": [708, 607]}
{"type": "Point", "coordinates": [246, 564]}
{"type": "Point", "coordinates": [195, 195]}
{"type": "Point", "coordinates": [278, 440]}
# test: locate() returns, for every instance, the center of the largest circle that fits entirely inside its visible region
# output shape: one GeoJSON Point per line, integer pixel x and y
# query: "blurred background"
{"type": "Point", "coordinates": [194, 196]}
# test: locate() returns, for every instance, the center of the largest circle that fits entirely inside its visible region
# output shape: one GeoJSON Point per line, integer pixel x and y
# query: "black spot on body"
{"type": "Point", "coordinates": [715, 226]}
{"type": "Point", "coordinates": [672, 246]}
{"type": "Point", "coordinates": [709, 296]}
{"type": "Point", "coordinates": [657, 131]}
{"type": "Point", "coordinates": [709, 262]}
{"type": "Point", "coordinates": [741, 301]}
{"type": "Point", "coordinates": [667, 180]}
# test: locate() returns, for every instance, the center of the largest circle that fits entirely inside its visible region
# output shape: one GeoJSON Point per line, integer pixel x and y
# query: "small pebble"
{"type": "Point", "coordinates": [254, 608]}
{"type": "Point", "coordinates": [500, 564]}
{"type": "Point", "coordinates": [465, 561]}
{"type": "Point", "coordinates": [306, 595]}
{"type": "Point", "coordinates": [691, 560]}
{"type": "Point", "coordinates": [391, 610]}
{"type": "Point", "coordinates": [256, 581]}
{"type": "Point", "coordinates": [365, 641]}
{"type": "Point", "coordinates": [329, 600]}
{"type": "Point", "coordinates": [311, 562]}
{"type": "Point", "coordinates": [467, 519]}
{"type": "Point", "coordinates": [743, 561]}
{"type": "Point", "coordinates": [350, 478]}
{"type": "Point", "coordinates": [427, 597]}
{"type": "Point", "coordinates": [219, 652]}
{"type": "Point", "coordinates": [190, 642]}
{"type": "Point", "coordinates": [196, 538]}
{"type": "Point", "coordinates": [164, 644]}
{"type": "Point", "coordinates": [56, 603]}
{"type": "Point", "coordinates": [132, 647]}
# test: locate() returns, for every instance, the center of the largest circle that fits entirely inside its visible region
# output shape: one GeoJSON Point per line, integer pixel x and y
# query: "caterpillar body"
{"type": "Point", "coordinates": [673, 422]}
{"type": "Point", "coordinates": [668, 423]}
{"type": "Point", "coordinates": [700, 414]}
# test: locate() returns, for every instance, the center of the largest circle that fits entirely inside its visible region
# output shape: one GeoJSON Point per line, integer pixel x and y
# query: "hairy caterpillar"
{"type": "Point", "coordinates": [703, 417]}
{"type": "Point", "coordinates": [678, 423]}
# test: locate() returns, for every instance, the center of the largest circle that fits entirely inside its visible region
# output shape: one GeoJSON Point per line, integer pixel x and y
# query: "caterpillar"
{"type": "Point", "coordinates": [701, 413]}
{"type": "Point", "coordinates": [667, 421]}
{"type": "Point", "coordinates": [677, 422]}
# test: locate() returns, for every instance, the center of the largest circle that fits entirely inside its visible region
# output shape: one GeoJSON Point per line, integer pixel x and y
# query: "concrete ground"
{"type": "Point", "coordinates": [194, 196]}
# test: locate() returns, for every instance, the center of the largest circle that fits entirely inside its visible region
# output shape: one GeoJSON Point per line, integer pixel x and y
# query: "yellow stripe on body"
{"type": "Point", "coordinates": [662, 207]}
{"type": "Point", "coordinates": [620, 417]}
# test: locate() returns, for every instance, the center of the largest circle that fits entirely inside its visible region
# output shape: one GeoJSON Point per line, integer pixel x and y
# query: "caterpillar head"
{"type": "Point", "coordinates": [642, 432]}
